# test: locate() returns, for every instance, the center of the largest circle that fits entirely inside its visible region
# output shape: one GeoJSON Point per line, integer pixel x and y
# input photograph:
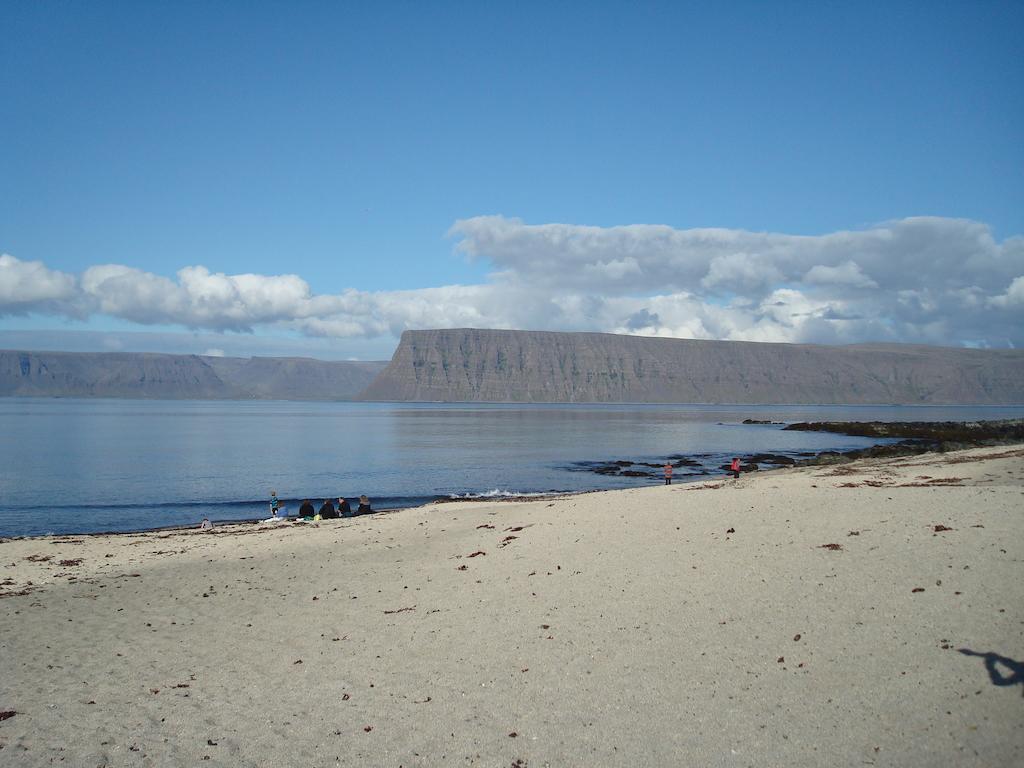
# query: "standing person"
{"type": "Point", "coordinates": [364, 506]}
{"type": "Point", "coordinates": [275, 505]}
{"type": "Point", "coordinates": [327, 511]}
{"type": "Point", "coordinates": [343, 507]}
{"type": "Point", "coordinates": [668, 473]}
{"type": "Point", "coordinates": [734, 468]}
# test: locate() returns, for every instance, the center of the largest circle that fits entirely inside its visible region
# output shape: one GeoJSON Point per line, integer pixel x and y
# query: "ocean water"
{"type": "Point", "coordinates": [79, 466]}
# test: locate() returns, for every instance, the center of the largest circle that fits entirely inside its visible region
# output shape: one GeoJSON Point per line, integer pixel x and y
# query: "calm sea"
{"type": "Point", "coordinates": [77, 466]}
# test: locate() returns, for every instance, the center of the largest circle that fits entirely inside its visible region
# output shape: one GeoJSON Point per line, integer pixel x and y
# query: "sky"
{"type": "Point", "coordinates": [313, 178]}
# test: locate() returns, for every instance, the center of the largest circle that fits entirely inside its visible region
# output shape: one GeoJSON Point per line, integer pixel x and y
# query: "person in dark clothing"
{"type": "Point", "coordinates": [327, 510]}
{"type": "Point", "coordinates": [343, 507]}
{"type": "Point", "coordinates": [364, 506]}
{"type": "Point", "coordinates": [306, 510]}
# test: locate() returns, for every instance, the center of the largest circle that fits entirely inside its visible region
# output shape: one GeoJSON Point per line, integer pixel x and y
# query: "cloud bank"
{"type": "Point", "coordinates": [926, 280]}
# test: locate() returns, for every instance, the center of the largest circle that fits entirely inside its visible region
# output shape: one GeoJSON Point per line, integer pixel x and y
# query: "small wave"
{"type": "Point", "coordinates": [497, 493]}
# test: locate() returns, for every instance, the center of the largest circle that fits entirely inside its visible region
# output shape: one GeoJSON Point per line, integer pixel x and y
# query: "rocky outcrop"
{"type": "Point", "coordinates": [180, 377]}
{"type": "Point", "coordinates": [470, 365]}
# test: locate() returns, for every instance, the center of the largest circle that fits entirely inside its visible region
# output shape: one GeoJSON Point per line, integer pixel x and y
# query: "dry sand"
{"type": "Point", "coordinates": [687, 625]}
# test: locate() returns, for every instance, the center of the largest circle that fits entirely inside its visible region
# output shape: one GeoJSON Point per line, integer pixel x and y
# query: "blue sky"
{"type": "Point", "coordinates": [343, 143]}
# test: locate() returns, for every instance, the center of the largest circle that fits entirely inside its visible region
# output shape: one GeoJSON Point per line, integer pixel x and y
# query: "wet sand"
{"type": "Point", "coordinates": [864, 614]}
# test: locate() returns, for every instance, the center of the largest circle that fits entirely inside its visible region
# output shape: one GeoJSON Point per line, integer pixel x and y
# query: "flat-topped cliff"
{"type": "Point", "coordinates": [471, 365]}
{"type": "Point", "coordinates": [181, 377]}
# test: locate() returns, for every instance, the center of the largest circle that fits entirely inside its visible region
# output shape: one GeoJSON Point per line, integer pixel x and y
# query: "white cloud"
{"type": "Point", "coordinates": [1014, 296]}
{"type": "Point", "coordinates": [740, 273]}
{"type": "Point", "coordinates": [848, 274]}
{"type": "Point", "coordinates": [925, 280]}
{"type": "Point", "coordinates": [29, 286]}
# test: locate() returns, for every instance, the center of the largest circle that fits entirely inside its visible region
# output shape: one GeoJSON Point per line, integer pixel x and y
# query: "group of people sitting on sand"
{"type": "Point", "coordinates": [327, 510]}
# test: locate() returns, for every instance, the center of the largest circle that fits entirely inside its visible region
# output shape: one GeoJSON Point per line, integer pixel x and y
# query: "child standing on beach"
{"type": "Point", "coordinates": [274, 504]}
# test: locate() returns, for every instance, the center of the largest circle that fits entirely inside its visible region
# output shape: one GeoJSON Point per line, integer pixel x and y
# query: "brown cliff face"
{"type": "Point", "coordinates": [179, 377]}
{"type": "Point", "coordinates": [470, 365]}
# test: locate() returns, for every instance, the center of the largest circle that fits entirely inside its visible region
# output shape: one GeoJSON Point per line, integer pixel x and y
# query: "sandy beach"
{"type": "Point", "coordinates": [862, 614]}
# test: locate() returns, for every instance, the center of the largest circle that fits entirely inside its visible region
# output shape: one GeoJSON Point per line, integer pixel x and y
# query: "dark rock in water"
{"type": "Point", "coordinates": [921, 437]}
{"type": "Point", "coordinates": [772, 458]}
{"type": "Point", "coordinates": [683, 461]}
{"type": "Point", "coordinates": [622, 463]}
{"type": "Point", "coordinates": [611, 470]}
{"type": "Point", "coordinates": [968, 432]}
{"type": "Point", "coordinates": [634, 473]}
{"type": "Point", "coordinates": [760, 421]}
{"type": "Point", "coordinates": [831, 457]}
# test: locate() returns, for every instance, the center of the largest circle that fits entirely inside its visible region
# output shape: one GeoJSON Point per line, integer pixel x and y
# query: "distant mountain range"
{"type": "Point", "coordinates": [181, 377]}
{"type": "Point", "coordinates": [471, 365]}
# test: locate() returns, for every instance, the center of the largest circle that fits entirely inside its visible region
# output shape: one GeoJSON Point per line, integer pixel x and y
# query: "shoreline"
{"type": "Point", "coordinates": [853, 611]}
{"type": "Point", "coordinates": [924, 437]}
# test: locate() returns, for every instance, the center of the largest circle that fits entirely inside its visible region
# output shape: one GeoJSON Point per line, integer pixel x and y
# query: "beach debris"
{"type": "Point", "coordinates": [833, 547]}
{"type": "Point", "coordinates": [424, 701]}
{"type": "Point", "coordinates": [39, 558]}
{"type": "Point", "coordinates": [485, 525]}
{"type": "Point", "coordinates": [367, 728]}
{"type": "Point", "coordinates": [780, 660]}
{"type": "Point", "coordinates": [941, 528]}
{"type": "Point", "coordinates": [516, 528]}
{"type": "Point", "coordinates": [154, 691]}
{"type": "Point", "coordinates": [211, 743]}
{"type": "Point", "coordinates": [345, 697]}
{"type": "Point", "coordinates": [507, 540]}
{"type": "Point", "coordinates": [462, 568]}
{"type": "Point", "coordinates": [513, 735]}
{"type": "Point", "coordinates": [297, 661]}
{"type": "Point", "coordinates": [7, 714]}
{"type": "Point", "coordinates": [917, 589]}
{"type": "Point", "coordinates": [477, 553]}
{"type": "Point", "coordinates": [16, 593]}
{"type": "Point", "coordinates": [401, 610]}
{"type": "Point", "coordinates": [796, 638]}
{"type": "Point", "coordinates": [731, 530]}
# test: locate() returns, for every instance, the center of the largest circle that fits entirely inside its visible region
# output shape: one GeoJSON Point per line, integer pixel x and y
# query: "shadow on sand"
{"type": "Point", "coordinates": [1003, 671]}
